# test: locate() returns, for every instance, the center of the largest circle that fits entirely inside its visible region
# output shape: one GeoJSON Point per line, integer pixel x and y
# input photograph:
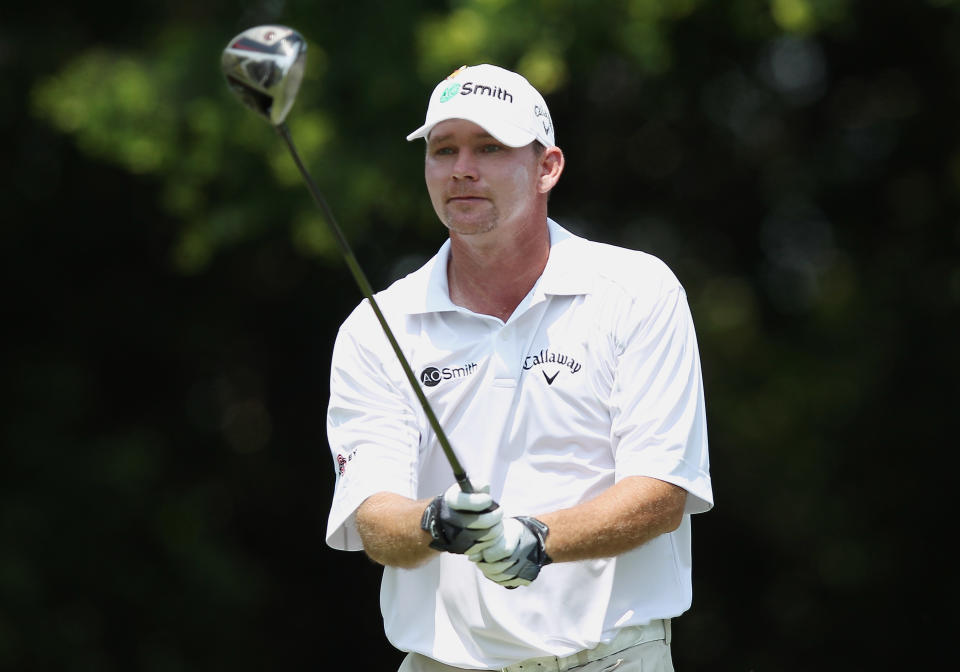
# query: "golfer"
{"type": "Point", "coordinates": [566, 375]}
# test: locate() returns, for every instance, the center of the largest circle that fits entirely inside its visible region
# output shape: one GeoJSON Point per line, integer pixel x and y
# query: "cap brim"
{"type": "Point", "coordinates": [421, 132]}
{"type": "Point", "coordinates": [506, 133]}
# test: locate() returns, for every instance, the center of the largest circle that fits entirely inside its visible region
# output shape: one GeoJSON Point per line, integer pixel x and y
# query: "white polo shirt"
{"type": "Point", "coordinates": [594, 377]}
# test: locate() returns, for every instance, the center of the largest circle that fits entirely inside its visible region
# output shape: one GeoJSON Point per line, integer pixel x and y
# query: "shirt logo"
{"type": "Point", "coordinates": [432, 376]}
{"type": "Point", "coordinates": [554, 361]}
{"type": "Point", "coordinates": [342, 461]}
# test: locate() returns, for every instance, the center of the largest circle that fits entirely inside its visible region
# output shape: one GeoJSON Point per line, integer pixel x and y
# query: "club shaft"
{"type": "Point", "coordinates": [458, 472]}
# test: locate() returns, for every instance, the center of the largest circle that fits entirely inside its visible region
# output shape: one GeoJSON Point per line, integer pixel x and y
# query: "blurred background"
{"type": "Point", "coordinates": [171, 297]}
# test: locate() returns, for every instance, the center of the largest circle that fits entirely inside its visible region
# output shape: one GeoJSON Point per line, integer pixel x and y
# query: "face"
{"type": "Point", "coordinates": [476, 183]}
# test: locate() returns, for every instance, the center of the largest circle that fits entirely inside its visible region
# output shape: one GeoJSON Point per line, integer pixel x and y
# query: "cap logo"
{"type": "Point", "coordinates": [544, 117]}
{"type": "Point", "coordinates": [449, 92]}
{"type": "Point", "coordinates": [473, 87]}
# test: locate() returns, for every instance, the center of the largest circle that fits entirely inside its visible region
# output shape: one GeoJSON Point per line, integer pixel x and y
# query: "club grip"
{"type": "Point", "coordinates": [464, 482]}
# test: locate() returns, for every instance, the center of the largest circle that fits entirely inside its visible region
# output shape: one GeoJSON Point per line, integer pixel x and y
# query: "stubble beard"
{"type": "Point", "coordinates": [470, 224]}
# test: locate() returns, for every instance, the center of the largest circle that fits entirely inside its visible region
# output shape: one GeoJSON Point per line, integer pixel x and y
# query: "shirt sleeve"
{"type": "Point", "coordinates": [659, 424]}
{"type": "Point", "coordinates": [371, 428]}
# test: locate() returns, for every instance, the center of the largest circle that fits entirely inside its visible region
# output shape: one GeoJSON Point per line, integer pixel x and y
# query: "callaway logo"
{"type": "Point", "coordinates": [432, 376]}
{"type": "Point", "coordinates": [467, 88]}
{"type": "Point", "coordinates": [545, 356]}
{"type": "Point", "coordinates": [544, 117]}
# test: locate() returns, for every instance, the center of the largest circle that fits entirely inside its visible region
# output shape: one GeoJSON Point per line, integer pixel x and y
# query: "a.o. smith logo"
{"type": "Point", "coordinates": [432, 376]}
{"type": "Point", "coordinates": [468, 88]}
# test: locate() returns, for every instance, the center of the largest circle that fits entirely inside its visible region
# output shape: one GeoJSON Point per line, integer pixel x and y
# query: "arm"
{"type": "Point", "coordinates": [402, 532]}
{"type": "Point", "coordinates": [389, 526]}
{"type": "Point", "coordinates": [626, 515]}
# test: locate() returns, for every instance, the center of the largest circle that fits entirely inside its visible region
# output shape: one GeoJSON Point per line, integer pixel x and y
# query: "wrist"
{"type": "Point", "coordinates": [540, 530]}
{"type": "Point", "coordinates": [430, 523]}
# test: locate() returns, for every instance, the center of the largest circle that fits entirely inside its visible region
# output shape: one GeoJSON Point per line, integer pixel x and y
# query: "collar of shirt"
{"type": "Point", "coordinates": [426, 289]}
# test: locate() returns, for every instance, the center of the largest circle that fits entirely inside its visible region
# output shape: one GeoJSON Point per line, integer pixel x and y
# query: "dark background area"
{"type": "Point", "coordinates": [171, 301]}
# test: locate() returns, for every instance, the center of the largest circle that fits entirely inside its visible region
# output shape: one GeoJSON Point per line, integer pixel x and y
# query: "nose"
{"type": "Point", "coordinates": [465, 168]}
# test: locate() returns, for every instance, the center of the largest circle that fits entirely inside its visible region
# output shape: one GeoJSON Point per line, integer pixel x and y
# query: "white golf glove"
{"type": "Point", "coordinates": [518, 555]}
{"type": "Point", "coordinates": [463, 522]}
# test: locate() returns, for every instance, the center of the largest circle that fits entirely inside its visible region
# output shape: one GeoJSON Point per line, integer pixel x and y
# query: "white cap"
{"type": "Point", "coordinates": [502, 102]}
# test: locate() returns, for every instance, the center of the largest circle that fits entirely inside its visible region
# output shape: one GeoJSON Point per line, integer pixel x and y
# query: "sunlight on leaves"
{"type": "Point", "coordinates": [110, 103]}
{"type": "Point", "coordinates": [543, 66]}
{"type": "Point", "coordinates": [458, 37]}
{"type": "Point", "coordinates": [311, 130]}
{"type": "Point", "coordinates": [793, 15]}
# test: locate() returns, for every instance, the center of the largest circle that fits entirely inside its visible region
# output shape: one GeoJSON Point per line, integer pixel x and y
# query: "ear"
{"type": "Point", "coordinates": [551, 166]}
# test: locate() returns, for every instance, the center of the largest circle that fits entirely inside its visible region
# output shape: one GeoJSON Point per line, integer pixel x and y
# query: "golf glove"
{"type": "Point", "coordinates": [518, 555]}
{"type": "Point", "coordinates": [463, 522]}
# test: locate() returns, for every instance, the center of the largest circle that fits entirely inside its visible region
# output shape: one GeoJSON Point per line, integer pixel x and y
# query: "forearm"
{"type": "Point", "coordinates": [625, 516]}
{"type": "Point", "coordinates": [389, 526]}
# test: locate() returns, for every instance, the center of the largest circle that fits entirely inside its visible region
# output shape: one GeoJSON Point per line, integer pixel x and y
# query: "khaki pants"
{"type": "Point", "coordinates": [645, 648]}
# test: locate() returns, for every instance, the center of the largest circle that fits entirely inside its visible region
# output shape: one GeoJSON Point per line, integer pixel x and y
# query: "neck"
{"type": "Point", "coordinates": [491, 274]}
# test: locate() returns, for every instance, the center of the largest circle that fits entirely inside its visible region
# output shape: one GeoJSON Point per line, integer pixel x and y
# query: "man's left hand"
{"type": "Point", "coordinates": [516, 558]}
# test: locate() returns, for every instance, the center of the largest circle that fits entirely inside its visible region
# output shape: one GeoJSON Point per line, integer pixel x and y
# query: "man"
{"type": "Point", "coordinates": [566, 375]}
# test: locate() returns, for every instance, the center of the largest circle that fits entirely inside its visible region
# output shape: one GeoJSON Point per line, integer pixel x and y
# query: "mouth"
{"type": "Point", "coordinates": [465, 199]}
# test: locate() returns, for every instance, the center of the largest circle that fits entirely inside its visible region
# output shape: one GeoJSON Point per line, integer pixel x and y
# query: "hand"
{"type": "Point", "coordinates": [518, 554]}
{"type": "Point", "coordinates": [463, 522]}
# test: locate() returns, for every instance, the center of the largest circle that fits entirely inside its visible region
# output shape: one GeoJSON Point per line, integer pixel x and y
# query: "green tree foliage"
{"type": "Point", "coordinates": [173, 294]}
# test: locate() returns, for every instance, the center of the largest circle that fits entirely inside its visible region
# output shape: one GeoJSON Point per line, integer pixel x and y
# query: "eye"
{"type": "Point", "coordinates": [491, 148]}
{"type": "Point", "coordinates": [443, 151]}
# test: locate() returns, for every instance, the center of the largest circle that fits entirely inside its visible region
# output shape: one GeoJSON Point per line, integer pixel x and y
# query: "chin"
{"type": "Point", "coordinates": [462, 228]}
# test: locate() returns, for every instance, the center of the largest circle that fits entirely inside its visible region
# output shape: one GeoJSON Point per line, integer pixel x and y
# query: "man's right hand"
{"type": "Point", "coordinates": [463, 522]}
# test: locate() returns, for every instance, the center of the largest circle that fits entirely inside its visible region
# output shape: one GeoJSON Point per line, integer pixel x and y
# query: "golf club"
{"type": "Point", "coordinates": [264, 66]}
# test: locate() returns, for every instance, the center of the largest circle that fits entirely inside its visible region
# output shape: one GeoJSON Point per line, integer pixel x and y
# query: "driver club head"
{"type": "Point", "coordinates": [263, 66]}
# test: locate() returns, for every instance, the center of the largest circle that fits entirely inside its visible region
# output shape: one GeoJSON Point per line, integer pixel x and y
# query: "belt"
{"type": "Point", "coordinates": [626, 638]}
